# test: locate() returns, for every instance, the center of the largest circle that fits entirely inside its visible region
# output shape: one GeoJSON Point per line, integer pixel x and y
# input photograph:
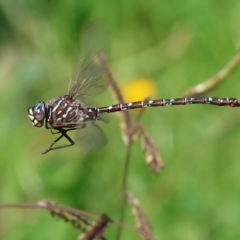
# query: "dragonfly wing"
{"type": "Point", "coordinates": [91, 137]}
{"type": "Point", "coordinates": [89, 77]}
{"type": "Point", "coordinates": [95, 37]}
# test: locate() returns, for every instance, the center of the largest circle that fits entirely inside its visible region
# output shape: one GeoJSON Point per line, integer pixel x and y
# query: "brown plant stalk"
{"type": "Point", "coordinates": [214, 81]}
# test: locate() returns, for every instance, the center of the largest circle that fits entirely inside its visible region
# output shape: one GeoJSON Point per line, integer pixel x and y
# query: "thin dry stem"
{"type": "Point", "coordinates": [126, 116]}
{"type": "Point", "coordinates": [151, 151]}
{"type": "Point", "coordinates": [51, 207]}
{"type": "Point", "coordinates": [125, 126]}
{"type": "Point", "coordinates": [216, 80]}
{"type": "Point", "coordinates": [141, 220]}
{"type": "Point", "coordinates": [96, 229]}
{"type": "Point", "coordinates": [77, 220]}
{"type": "Point", "coordinates": [128, 132]}
{"type": "Point", "coordinates": [124, 187]}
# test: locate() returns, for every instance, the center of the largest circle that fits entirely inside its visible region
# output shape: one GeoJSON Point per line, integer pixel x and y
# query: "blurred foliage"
{"type": "Point", "coordinates": [177, 44]}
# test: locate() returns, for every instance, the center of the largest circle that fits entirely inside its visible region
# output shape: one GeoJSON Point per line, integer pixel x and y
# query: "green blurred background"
{"type": "Point", "coordinates": [177, 44]}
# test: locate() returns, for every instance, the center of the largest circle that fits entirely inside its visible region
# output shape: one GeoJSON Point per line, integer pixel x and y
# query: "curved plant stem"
{"type": "Point", "coordinates": [124, 188]}
{"type": "Point", "coordinates": [213, 82]}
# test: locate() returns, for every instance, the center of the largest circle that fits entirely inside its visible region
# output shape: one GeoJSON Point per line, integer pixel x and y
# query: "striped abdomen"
{"type": "Point", "coordinates": [168, 102]}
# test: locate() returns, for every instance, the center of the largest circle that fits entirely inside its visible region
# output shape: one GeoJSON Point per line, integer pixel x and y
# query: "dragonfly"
{"type": "Point", "coordinates": [70, 112]}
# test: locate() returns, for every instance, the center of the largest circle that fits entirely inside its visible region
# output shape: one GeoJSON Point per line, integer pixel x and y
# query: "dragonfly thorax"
{"type": "Point", "coordinates": [64, 110]}
{"type": "Point", "coordinates": [37, 114]}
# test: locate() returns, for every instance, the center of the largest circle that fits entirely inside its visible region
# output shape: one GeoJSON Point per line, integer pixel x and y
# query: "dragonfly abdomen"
{"type": "Point", "coordinates": [232, 102]}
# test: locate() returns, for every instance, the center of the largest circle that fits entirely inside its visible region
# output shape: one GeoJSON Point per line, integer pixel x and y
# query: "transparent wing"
{"type": "Point", "coordinates": [95, 37]}
{"type": "Point", "coordinates": [91, 137]}
{"type": "Point", "coordinates": [89, 77]}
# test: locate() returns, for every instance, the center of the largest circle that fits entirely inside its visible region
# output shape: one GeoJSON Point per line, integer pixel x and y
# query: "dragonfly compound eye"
{"type": "Point", "coordinates": [37, 114]}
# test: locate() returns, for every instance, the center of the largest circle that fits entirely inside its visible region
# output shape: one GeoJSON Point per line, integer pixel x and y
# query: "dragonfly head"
{"type": "Point", "coordinates": [37, 114]}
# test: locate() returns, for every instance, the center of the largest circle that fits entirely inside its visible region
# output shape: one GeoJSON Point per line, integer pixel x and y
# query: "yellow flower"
{"type": "Point", "coordinates": [139, 89]}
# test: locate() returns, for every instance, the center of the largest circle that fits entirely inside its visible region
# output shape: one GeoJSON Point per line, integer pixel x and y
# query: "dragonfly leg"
{"type": "Point", "coordinates": [63, 133]}
{"type": "Point", "coordinates": [72, 127]}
